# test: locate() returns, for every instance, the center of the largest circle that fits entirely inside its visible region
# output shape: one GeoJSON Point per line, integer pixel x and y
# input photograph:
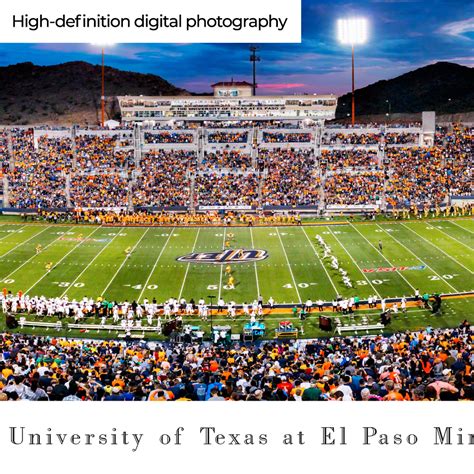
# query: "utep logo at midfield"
{"type": "Point", "coordinates": [225, 257]}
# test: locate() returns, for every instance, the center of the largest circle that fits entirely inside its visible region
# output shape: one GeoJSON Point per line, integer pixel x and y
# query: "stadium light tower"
{"type": "Point", "coordinates": [102, 97]}
{"type": "Point", "coordinates": [352, 31]}
{"type": "Point", "coordinates": [254, 59]}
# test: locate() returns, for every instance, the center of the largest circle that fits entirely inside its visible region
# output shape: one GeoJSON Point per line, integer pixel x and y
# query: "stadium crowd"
{"type": "Point", "coordinates": [49, 171]}
{"type": "Point", "coordinates": [282, 137]}
{"type": "Point", "coordinates": [168, 137]}
{"type": "Point", "coordinates": [234, 159]}
{"type": "Point", "coordinates": [416, 177]}
{"type": "Point", "coordinates": [102, 153]}
{"type": "Point", "coordinates": [164, 179]}
{"type": "Point", "coordinates": [430, 365]}
{"type": "Point", "coordinates": [350, 139]}
{"type": "Point", "coordinates": [355, 158]}
{"type": "Point", "coordinates": [37, 178]}
{"type": "Point", "coordinates": [291, 178]}
{"type": "Point", "coordinates": [101, 190]}
{"type": "Point", "coordinates": [346, 188]}
{"type": "Point", "coordinates": [227, 189]}
{"type": "Point", "coordinates": [227, 137]}
{"type": "Point", "coordinates": [401, 138]}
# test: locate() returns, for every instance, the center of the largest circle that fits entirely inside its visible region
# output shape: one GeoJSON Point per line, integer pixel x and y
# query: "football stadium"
{"type": "Point", "coordinates": [236, 247]}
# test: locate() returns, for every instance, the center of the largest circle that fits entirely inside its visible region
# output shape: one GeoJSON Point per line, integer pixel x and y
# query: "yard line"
{"type": "Point", "coordinates": [188, 265]}
{"type": "Point", "coordinates": [451, 237]}
{"type": "Point", "coordinates": [24, 242]}
{"type": "Point", "coordinates": [124, 261]}
{"type": "Point", "coordinates": [91, 262]}
{"type": "Point", "coordinates": [322, 264]}
{"type": "Point", "coordinates": [355, 263]}
{"type": "Point", "coordinates": [155, 264]}
{"type": "Point", "coordinates": [418, 258]}
{"type": "Point", "coordinates": [289, 266]}
{"type": "Point", "coordinates": [70, 251]}
{"type": "Point", "coordinates": [436, 247]}
{"type": "Point", "coordinates": [7, 234]}
{"type": "Point", "coordinates": [255, 264]}
{"type": "Point", "coordinates": [370, 243]}
{"type": "Point", "coordinates": [220, 278]}
{"type": "Point", "coordinates": [35, 255]}
{"type": "Point", "coordinates": [460, 226]}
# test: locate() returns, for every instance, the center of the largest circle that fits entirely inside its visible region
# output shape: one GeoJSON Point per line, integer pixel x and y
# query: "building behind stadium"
{"type": "Point", "coordinates": [230, 101]}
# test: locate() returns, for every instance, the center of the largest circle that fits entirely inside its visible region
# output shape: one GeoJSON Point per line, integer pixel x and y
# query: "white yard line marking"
{"type": "Point", "coordinates": [418, 258]}
{"type": "Point", "coordinates": [24, 242]}
{"type": "Point", "coordinates": [36, 254]}
{"type": "Point", "coordinates": [8, 234]}
{"type": "Point", "coordinates": [220, 277]}
{"type": "Point", "coordinates": [255, 264]}
{"type": "Point", "coordinates": [124, 261]}
{"type": "Point", "coordinates": [460, 226]}
{"type": "Point", "coordinates": [70, 251]}
{"type": "Point", "coordinates": [289, 265]}
{"type": "Point", "coordinates": [451, 237]}
{"type": "Point", "coordinates": [320, 261]}
{"type": "Point", "coordinates": [436, 247]}
{"type": "Point", "coordinates": [383, 256]}
{"type": "Point", "coordinates": [355, 263]}
{"type": "Point", "coordinates": [156, 263]}
{"type": "Point", "coordinates": [91, 262]}
{"type": "Point", "coordinates": [188, 265]}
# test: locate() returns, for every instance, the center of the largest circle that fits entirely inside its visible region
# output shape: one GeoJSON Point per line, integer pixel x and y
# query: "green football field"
{"type": "Point", "coordinates": [91, 261]}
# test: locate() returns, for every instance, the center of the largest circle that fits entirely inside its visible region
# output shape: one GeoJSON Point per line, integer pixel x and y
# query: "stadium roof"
{"type": "Point", "coordinates": [231, 83]}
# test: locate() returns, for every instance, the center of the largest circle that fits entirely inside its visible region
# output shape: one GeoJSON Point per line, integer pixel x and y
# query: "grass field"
{"type": "Point", "coordinates": [91, 261]}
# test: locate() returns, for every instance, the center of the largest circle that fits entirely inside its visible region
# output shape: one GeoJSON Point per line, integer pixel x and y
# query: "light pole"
{"type": "Point", "coordinates": [254, 59]}
{"type": "Point", "coordinates": [389, 113]}
{"type": "Point", "coordinates": [102, 96]}
{"type": "Point", "coordinates": [352, 31]}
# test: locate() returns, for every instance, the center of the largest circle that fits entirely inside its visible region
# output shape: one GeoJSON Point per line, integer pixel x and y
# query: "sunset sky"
{"type": "Point", "coordinates": [404, 35]}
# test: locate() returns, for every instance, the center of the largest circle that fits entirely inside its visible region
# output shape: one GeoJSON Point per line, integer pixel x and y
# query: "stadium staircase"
{"type": "Point", "coordinates": [10, 150]}
{"type": "Point", "coordinates": [138, 139]}
{"type": "Point", "coordinates": [201, 145]}
{"type": "Point", "coordinates": [263, 175]}
{"type": "Point", "coordinates": [73, 147]}
{"type": "Point", "coordinates": [68, 190]}
{"type": "Point", "coordinates": [192, 192]}
{"type": "Point", "coordinates": [5, 195]}
{"type": "Point", "coordinates": [254, 152]}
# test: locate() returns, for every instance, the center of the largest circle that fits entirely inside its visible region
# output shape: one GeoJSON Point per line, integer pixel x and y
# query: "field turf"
{"type": "Point", "coordinates": [91, 261]}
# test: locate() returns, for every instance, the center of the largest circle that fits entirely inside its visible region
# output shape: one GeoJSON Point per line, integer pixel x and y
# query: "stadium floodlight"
{"type": "Point", "coordinates": [102, 97]}
{"type": "Point", "coordinates": [352, 31]}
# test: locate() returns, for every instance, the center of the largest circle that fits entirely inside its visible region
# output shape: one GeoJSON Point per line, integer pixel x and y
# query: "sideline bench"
{"type": "Point", "coordinates": [41, 324]}
{"type": "Point", "coordinates": [361, 327]}
{"type": "Point", "coordinates": [286, 334]}
{"type": "Point", "coordinates": [58, 325]}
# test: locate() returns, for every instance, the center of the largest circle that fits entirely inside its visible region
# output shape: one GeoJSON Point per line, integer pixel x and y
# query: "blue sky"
{"type": "Point", "coordinates": [404, 35]}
